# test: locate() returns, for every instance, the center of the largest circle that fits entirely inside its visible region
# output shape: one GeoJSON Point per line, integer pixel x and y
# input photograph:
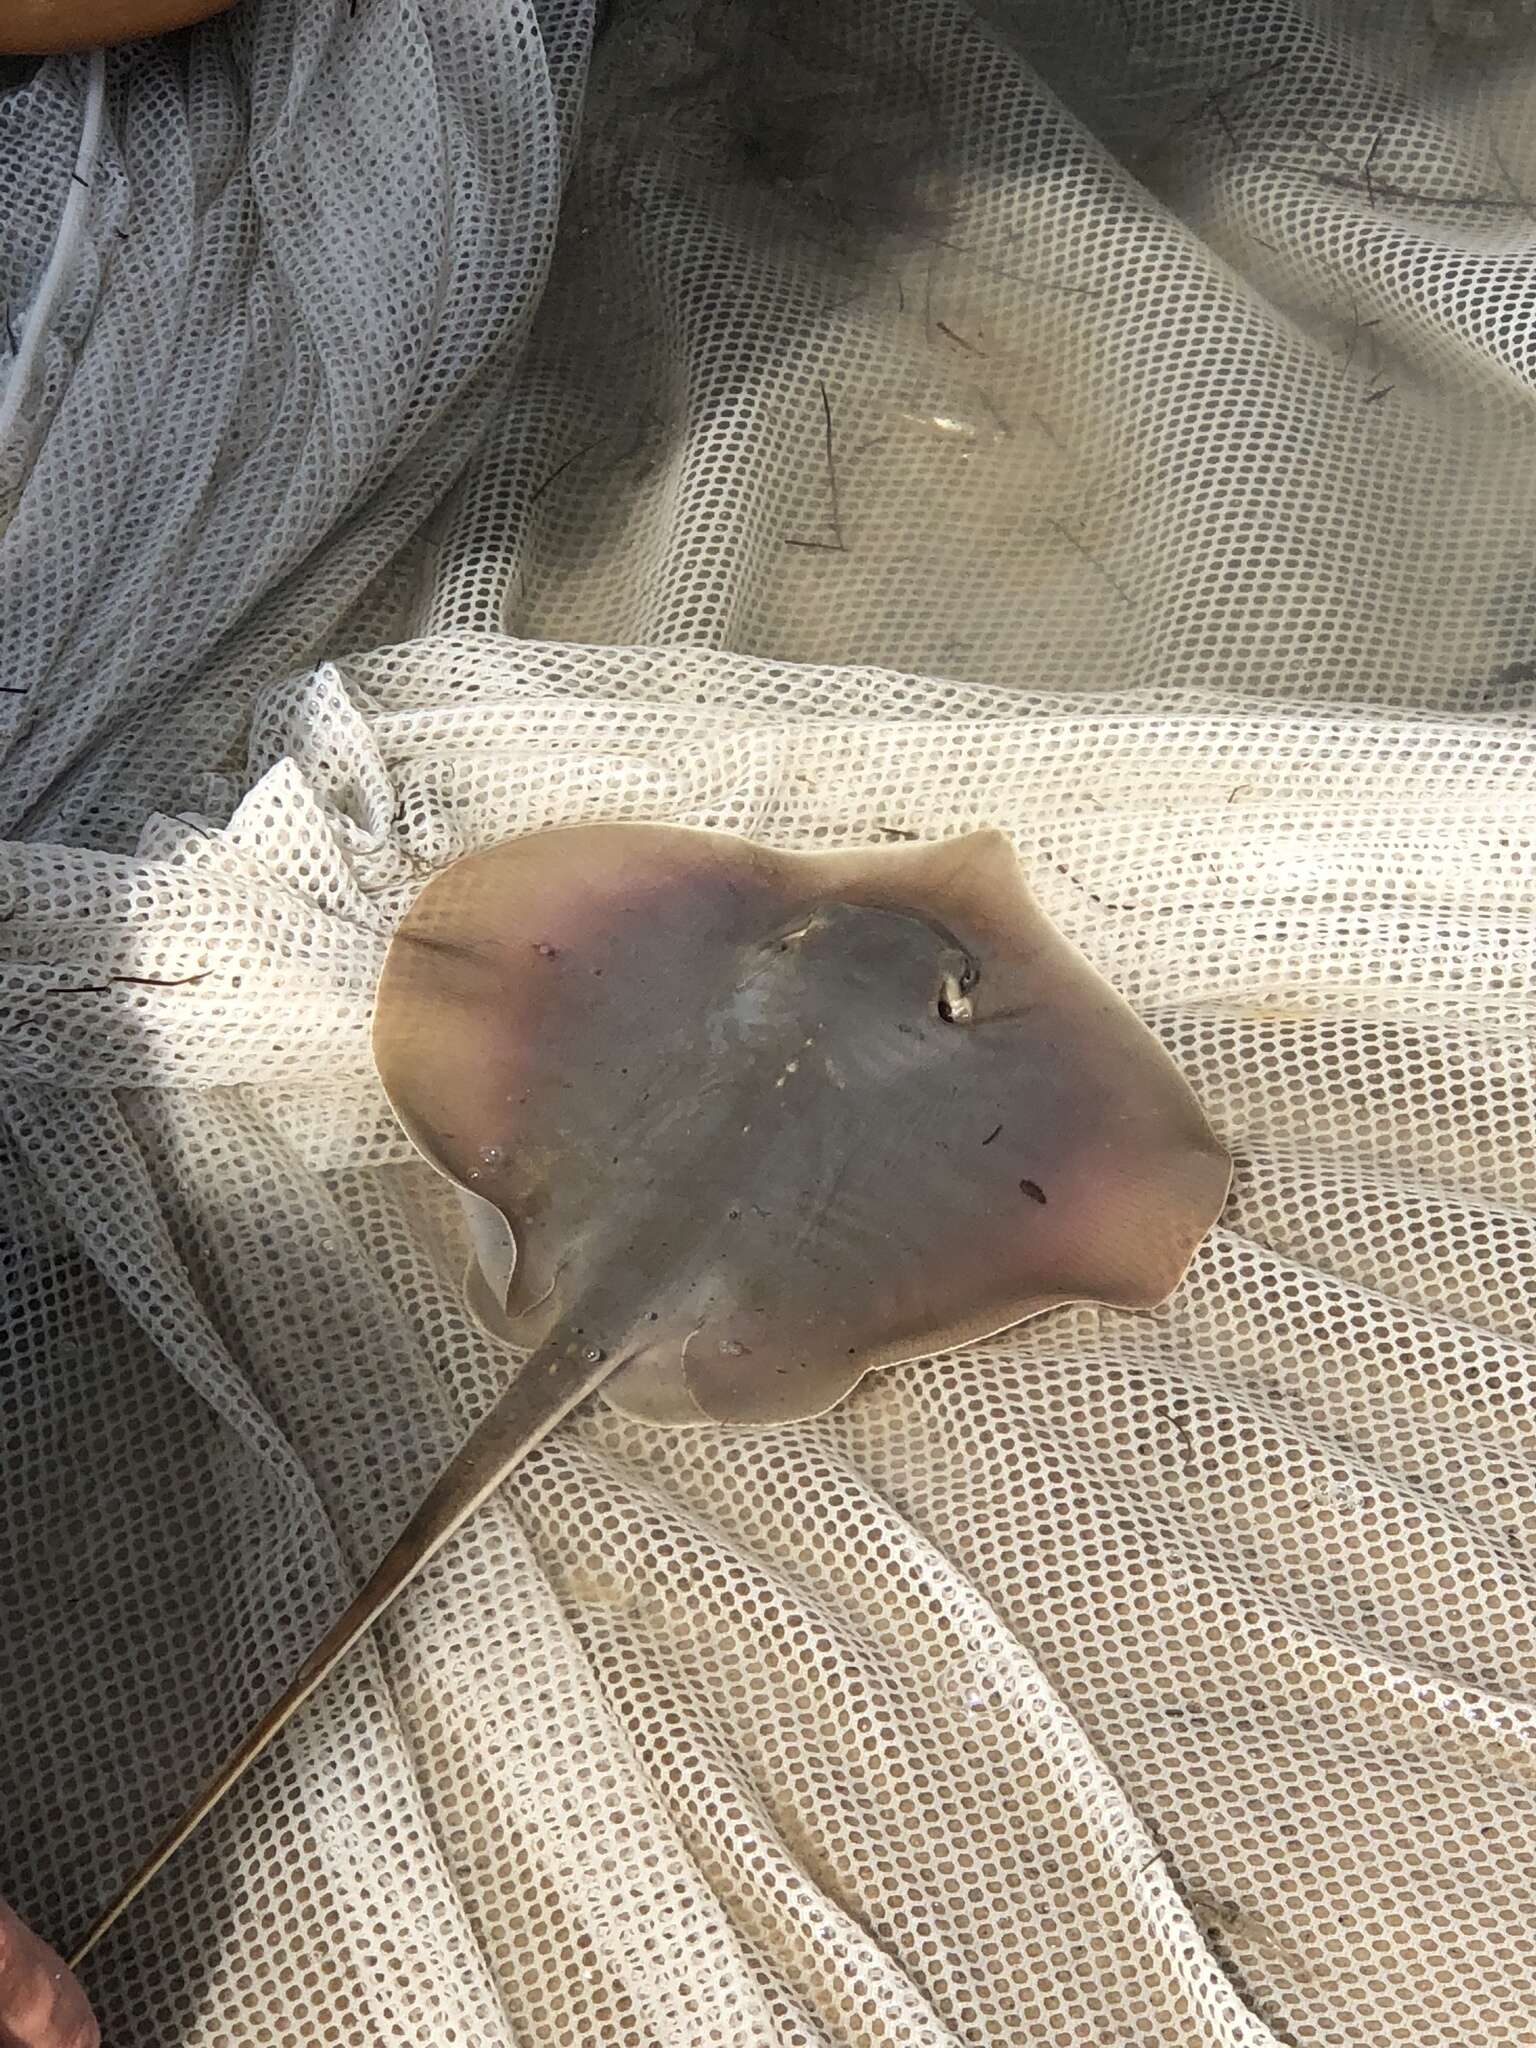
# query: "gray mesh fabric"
{"type": "Point", "coordinates": [1113, 425]}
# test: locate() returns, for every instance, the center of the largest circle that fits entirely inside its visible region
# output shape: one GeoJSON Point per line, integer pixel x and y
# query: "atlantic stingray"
{"type": "Point", "coordinates": [734, 1127]}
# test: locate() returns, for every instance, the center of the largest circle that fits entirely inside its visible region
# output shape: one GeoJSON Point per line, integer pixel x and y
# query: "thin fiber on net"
{"type": "Point", "coordinates": [1114, 424]}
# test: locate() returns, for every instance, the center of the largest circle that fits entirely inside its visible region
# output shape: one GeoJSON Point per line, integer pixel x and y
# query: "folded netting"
{"type": "Point", "coordinates": [313, 243]}
{"type": "Point", "coordinates": [1112, 425]}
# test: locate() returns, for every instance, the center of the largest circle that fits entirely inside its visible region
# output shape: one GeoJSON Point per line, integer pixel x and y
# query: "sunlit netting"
{"type": "Point", "coordinates": [1114, 425]}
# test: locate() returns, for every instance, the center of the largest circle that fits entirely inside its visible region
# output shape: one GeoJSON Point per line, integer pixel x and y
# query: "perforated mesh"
{"type": "Point", "coordinates": [1132, 1679]}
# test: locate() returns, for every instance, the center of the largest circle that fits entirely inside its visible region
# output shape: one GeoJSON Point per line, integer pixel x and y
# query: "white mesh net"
{"type": "Point", "coordinates": [894, 451]}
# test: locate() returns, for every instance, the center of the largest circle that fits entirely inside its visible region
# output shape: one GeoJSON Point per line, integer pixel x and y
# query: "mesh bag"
{"type": "Point", "coordinates": [1109, 424]}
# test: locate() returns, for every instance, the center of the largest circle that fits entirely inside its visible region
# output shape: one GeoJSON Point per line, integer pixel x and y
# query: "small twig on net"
{"type": "Point", "coordinates": [1214, 103]}
{"type": "Point", "coordinates": [13, 689]}
{"type": "Point", "coordinates": [837, 545]}
{"type": "Point", "coordinates": [1354, 178]}
{"type": "Point", "coordinates": [105, 988]}
{"type": "Point", "coordinates": [1078, 883]}
{"type": "Point", "coordinates": [1380, 392]}
{"type": "Point", "coordinates": [560, 468]}
{"type": "Point", "coordinates": [1356, 329]}
{"type": "Point", "coordinates": [1019, 277]}
{"type": "Point", "coordinates": [1179, 1426]}
{"type": "Point", "coordinates": [990, 269]}
{"type": "Point", "coordinates": [959, 339]}
{"type": "Point", "coordinates": [1323, 143]}
{"type": "Point", "coordinates": [154, 981]}
{"type": "Point", "coordinates": [1088, 556]}
{"type": "Point", "coordinates": [1215, 107]}
{"type": "Point", "coordinates": [1516, 192]}
{"type": "Point", "coordinates": [1449, 202]}
{"type": "Point", "coordinates": [832, 486]}
{"type": "Point", "coordinates": [1047, 429]}
{"type": "Point", "coordinates": [1365, 169]}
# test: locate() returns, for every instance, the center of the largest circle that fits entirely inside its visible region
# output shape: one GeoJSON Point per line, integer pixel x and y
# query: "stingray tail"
{"type": "Point", "coordinates": [556, 1379]}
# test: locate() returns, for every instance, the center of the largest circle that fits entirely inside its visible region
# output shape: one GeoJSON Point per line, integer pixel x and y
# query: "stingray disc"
{"type": "Point", "coordinates": [807, 1113]}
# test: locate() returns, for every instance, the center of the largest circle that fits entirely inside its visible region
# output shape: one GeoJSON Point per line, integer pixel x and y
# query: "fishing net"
{"type": "Point", "coordinates": [832, 423]}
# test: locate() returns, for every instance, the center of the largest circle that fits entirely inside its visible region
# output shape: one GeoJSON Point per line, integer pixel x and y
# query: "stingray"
{"type": "Point", "coordinates": [733, 1127]}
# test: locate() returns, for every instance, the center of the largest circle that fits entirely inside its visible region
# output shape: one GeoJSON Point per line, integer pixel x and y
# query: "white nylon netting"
{"type": "Point", "coordinates": [1168, 464]}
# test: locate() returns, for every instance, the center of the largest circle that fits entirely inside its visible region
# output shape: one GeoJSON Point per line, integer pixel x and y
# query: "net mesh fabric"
{"type": "Point", "coordinates": [1133, 454]}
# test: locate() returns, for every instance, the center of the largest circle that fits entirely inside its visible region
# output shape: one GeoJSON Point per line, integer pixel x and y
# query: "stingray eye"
{"type": "Point", "coordinates": [960, 977]}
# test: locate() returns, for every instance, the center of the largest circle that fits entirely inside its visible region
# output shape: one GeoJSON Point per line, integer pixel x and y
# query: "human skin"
{"type": "Point", "coordinates": [38, 28]}
{"type": "Point", "coordinates": [41, 2005]}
